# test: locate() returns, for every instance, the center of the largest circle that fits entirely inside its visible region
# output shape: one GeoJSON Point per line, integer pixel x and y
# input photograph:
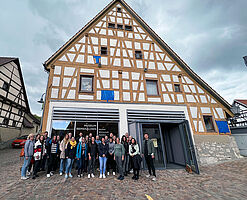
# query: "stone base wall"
{"type": "Point", "coordinates": [212, 149]}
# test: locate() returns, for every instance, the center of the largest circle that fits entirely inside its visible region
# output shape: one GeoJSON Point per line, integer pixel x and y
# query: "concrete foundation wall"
{"type": "Point", "coordinates": [212, 149]}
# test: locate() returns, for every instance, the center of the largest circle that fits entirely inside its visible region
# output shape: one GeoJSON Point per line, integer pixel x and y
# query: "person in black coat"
{"type": "Point", "coordinates": [70, 154]}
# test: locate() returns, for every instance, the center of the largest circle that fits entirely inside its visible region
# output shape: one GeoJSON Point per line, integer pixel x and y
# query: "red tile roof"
{"type": "Point", "coordinates": [243, 101]}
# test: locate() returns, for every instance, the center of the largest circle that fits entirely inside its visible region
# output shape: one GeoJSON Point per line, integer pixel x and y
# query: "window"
{"type": "Point", "coordinates": [209, 123]}
{"type": "Point", "coordinates": [14, 123]}
{"type": "Point", "coordinates": [119, 10]}
{"type": "Point", "coordinates": [103, 50]}
{"type": "Point", "coordinates": [86, 84]}
{"type": "Point", "coordinates": [119, 26]}
{"type": "Point", "coordinates": [138, 54]}
{"type": "Point", "coordinates": [5, 86]}
{"type": "Point", "coordinates": [152, 87]}
{"type": "Point", "coordinates": [111, 25]}
{"type": "Point", "coordinates": [128, 28]}
{"type": "Point", "coordinates": [5, 121]}
{"type": "Point", "coordinates": [20, 112]}
{"type": "Point", "coordinates": [177, 87]}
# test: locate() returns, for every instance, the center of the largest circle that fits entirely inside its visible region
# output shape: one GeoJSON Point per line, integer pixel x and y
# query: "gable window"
{"type": "Point", "coordinates": [152, 87]}
{"type": "Point", "coordinates": [6, 121]}
{"type": "Point", "coordinates": [119, 26]}
{"type": "Point", "coordinates": [177, 88]}
{"type": "Point", "coordinates": [138, 54]}
{"type": "Point", "coordinates": [208, 120]}
{"type": "Point", "coordinates": [5, 86]}
{"type": "Point", "coordinates": [86, 83]}
{"type": "Point", "coordinates": [111, 25]}
{"type": "Point", "coordinates": [128, 28]}
{"type": "Point", "coordinates": [119, 10]}
{"type": "Point", "coordinates": [103, 50]}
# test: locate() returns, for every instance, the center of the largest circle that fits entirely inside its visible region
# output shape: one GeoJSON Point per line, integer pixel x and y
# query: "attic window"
{"type": "Point", "coordinates": [103, 50]}
{"type": "Point", "coordinates": [14, 123]}
{"type": "Point", "coordinates": [120, 26]}
{"type": "Point", "coordinates": [111, 25]}
{"type": "Point", "coordinates": [138, 54]}
{"type": "Point", "coordinates": [128, 28]}
{"type": "Point", "coordinates": [208, 120]}
{"type": "Point", "coordinates": [119, 10]}
{"type": "Point", "coordinates": [5, 86]}
{"type": "Point", "coordinates": [20, 112]}
{"type": "Point", "coordinates": [177, 88]}
{"type": "Point", "coordinates": [6, 121]}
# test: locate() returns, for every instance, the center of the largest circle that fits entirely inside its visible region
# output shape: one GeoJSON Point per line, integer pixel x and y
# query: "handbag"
{"type": "Point", "coordinates": [22, 152]}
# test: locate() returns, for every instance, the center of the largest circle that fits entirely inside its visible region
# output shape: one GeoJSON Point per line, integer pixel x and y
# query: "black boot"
{"type": "Point", "coordinates": [137, 175]}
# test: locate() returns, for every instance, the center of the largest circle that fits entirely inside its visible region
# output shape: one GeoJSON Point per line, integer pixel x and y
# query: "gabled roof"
{"type": "Point", "coordinates": [156, 37]}
{"type": "Point", "coordinates": [6, 60]}
{"type": "Point", "coordinates": [242, 102]}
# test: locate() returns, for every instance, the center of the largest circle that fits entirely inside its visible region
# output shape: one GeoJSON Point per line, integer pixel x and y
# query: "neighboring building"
{"type": "Point", "coordinates": [14, 108]}
{"type": "Point", "coordinates": [117, 75]}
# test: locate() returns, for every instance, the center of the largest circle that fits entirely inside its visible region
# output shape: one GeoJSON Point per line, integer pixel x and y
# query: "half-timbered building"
{"type": "Point", "coordinates": [117, 75]}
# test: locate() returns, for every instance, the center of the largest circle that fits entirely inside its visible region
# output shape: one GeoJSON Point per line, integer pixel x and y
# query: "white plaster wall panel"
{"type": "Point", "coordinates": [104, 60]}
{"type": "Point", "coordinates": [99, 24]}
{"type": "Point", "coordinates": [150, 75]}
{"type": "Point", "coordinates": [134, 23]}
{"type": "Point", "coordinates": [126, 63]}
{"type": "Point", "coordinates": [66, 82]}
{"type": "Point", "coordinates": [205, 110]}
{"type": "Point", "coordinates": [119, 20]}
{"type": "Point", "coordinates": [128, 44]}
{"type": "Point", "coordinates": [124, 53]}
{"type": "Point", "coordinates": [176, 69]}
{"type": "Point", "coordinates": [126, 21]}
{"type": "Point", "coordinates": [54, 93]}
{"type": "Point", "coordinates": [115, 84]}
{"type": "Point", "coordinates": [84, 70]}
{"type": "Point", "coordinates": [104, 19]}
{"type": "Point", "coordinates": [126, 96]}
{"type": "Point", "coordinates": [69, 71]}
{"type": "Point", "coordinates": [148, 38]}
{"type": "Point", "coordinates": [118, 52]}
{"type": "Point", "coordinates": [104, 73]}
{"type": "Point", "coordinates": [98, 95]}
{"type": "Point", "coordinates": [96, 50]}
{"type": "Point", "coordinates": [104, 25]}
{"type": "Point", "coordinates": [213, 101]}
{"type": "Point", "coordinates": [180, 98]}
{"type": "Point", "coordinates": [146, 46]}
{"type": "Point", "coordinates": [110, 32]}
{"type": "Point", "coordinates": [130, 35]}
{"type": "Point", "coordinates": [80, 58]}
{"type": "Point", "coordinates": [130, 53]}
{"type": "Point", "coordinates": [157, 48]}
{"type": "Point", "coordinates": [114, 74]}
{"type": "Point", "coordinates": [135, 76]}
{"type": "Point", "coordinates": [92, 31]}
{"type": "Point", "coordinates": [169, 87]}
{"type": "Point", "coordinates": [126, 85]}
{"type": "Point", "coordinates": [139, 64]}
{"type": "Point", "coordinates": [77, 46]}
{"type": "Point", "coordinates": [154, 99]}
{"type": "Point", "coordinates": [215, 114]}
{"type": "Point", "coordinates": [135, 30]}
{"type": "Point", "coordinates": [106, 84]}
{"type": "Point", "coordinates": [72, 49]}
{"type": "Point", "coordinates": [163, 87]}
{"type": "Point", "coordinates": [137, 45]}
{"type": "Point", "coordinates": [146, 55]}
{"type": "Point", "coordinates": [142, 87]}
{"type": "Point", "coordinates": [197, 98]}
{"type": "Point", "coordinates": [134, 96]}
{"type": "Point", "coordinates": [151, 65]}
{"type": "Point", "coordinates": [141, 97]}
{"type": "Point", "coordinates": [195, 124]}
{"type": "Point", "coordinates": [113, 42]}
{"type": "Point", "coordinates": [203, 99]}
{"type": "Point", "coordinates": [200, 90]}
{"type": "Point", "coordinates": [162, 55]}
{"type": "Point", "coordinates": [83, 49]}
{"type": "Point", "coordinates": [151, 57]}
{"type": "Point", "coordinates": [71, 94]}
{"type": "Point", "coordinates": [103, 42]}
{"type": "Point", "coordinates": [89, 49]}
{"type": "Point", "coordinates": [56, 81]}
{"type": "Point", "coordinates": [102, 31]}
{"type": "Point", "coordinates": [175, 78]}
{"type": "Point", "coordinates": [166, 77]}
{"type": "Point", "coordinates": [161, 66]}
{"type": "Point", "coordinates": [57, 70]}
{"type": "Point", "coordinates": [193, 89]}
{"type": "Point", "coordinates": [120, 34]}
{"type": "Point", "coordinates": [119, 14]}
{"type": "Point", "coordinates": [95, 40]}
{"type": "Point", "coordinates": [71, 56]}
{"type": "Point", "coordinates": [169, 66]}
{"type": "Point", "coordinates": [117, 62]}
{"type": "Point", "coordinates": [220, 112]}
{"type": "Point", "coordinates": [63, 58]}
{"type": "Point", "coordinates": [86, 97]}
{"type": "Point", "coordinates": [125, 75]}
{"type": "Point", "coordinates": [166, 98]}
{"type": "Point", "coordinates": [201, 128]}
{"type": "Point", "coordinates": [140, 30]}
{"type": "Point", "coordinates": [143, 36]}
{"type": "Point", "coordinates": [83, 39]}
{"type": "Point", "coordinates": [173, 98]}
{"type": "Point", "coordinates": [186, 89]}
{"type": "Point", "coordinates": [90, 60]}
{"type": "Point", "coordinates": [112, 50]}
{"type": "Point", "coordinates": [168, 59]}
{"type": "Point", "coordinates": [63, 92]}
{"type": "Point", "coordinates": [193, 111]}
{"type": "Point", "coordinates": [190, 98]}
{"type": "Point", "coordinates": [74, 83]}
{"type": "Point", "coordinates": [116, 95]}
{"type": "Point", "coordinates": [137, 36]}
{"type": "Point", "coordinates": [188, 80]}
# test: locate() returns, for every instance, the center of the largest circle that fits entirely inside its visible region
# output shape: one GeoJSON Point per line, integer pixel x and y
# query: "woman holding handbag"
{"type": "Point", "coordinates": [134, 153]}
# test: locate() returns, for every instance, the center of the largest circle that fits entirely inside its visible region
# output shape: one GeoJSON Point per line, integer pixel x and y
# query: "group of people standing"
{"type": "Point", "coordinates": [110, 154]}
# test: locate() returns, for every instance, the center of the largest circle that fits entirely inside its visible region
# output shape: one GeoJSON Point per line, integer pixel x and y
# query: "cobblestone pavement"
{"type": "Point", "coordinates": [222, 181]}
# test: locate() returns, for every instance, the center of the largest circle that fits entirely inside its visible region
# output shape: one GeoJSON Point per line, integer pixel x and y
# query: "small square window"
{"type": "Point", "coordinates": [152, 87]}
{"type": "Point", "coordinates": [119, 10]}
{"type": "Point", "coordinates": [14, 123]}
{"type": "Point", "coordinates": [111, 25]}
{"type": "Point", "coordinates": [177, 87]}
{"type": "Point", "coordinates": [120, 26]}
{"type": "Point", "coordinates": [6, 121]}
{"type": "Point", "coordinates": [20, 112]}
{"type": "Point", "coordinates": [5, 86]}
{"type": "Point", "coordinates": [208, 120]}
{"type": "Point", "coordinates": [103, 50]}
{"type": "Point", "coordinates": [86, 84]}
{"type": "Point", "coordinates": [138, 54]}
{"type": "Point", "coordinates": [128, 28]}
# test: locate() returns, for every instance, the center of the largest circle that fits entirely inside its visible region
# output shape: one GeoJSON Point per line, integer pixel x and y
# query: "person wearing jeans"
{"type": "Point", "coordinates": [70, 154]}
{"type": "Point", "coordinates": [81, 154]}
{"type": "Point", "coordinates": [111, 163]}
{"type": "Point", "coordinates": [62, 148]}
{"type": "Point", "coordinates": [92, 155]}
{"type": "Point", "coordinates": [119, 152]}
{"type": "Point", "coordinates": [28, 154]}
{"type": "Point", "coordinates": [103, 150]}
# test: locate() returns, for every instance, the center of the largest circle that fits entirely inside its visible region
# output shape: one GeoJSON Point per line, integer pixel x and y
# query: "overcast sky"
{"type": "Point", "coordinates": [209, 35]}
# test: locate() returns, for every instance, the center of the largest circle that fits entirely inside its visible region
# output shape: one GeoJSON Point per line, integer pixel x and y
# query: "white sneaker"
{"type": "Point", "coordinates": [148, 175]}
{"type": "Point", "coordinates": [61, 174]}
{"type": "Point", "coordinates": [51, 173]}
{"type": "Point", "coordinates": [154, 178]}
{"type": "Point", "coordinates": [24, 178]}
{"type": "Point", "coordinates": [70, 175]}
{"type": "Point", "coordinates": [92, 175]}
{"type": "Point", "coordinates": [104, 176]}
{"type": "Point", "coordinates": [100, 176]}
{"type": "Point", "coordinates": [48, 175]}
{"type": "Point", "coordinates": [66, 176]}
{"type": "Point", "coordinates": [88, 176]}
{"type": "Point", "coordinates": [113, 173]}
{"type": "Point", "coordinates": [108, 173]}
{"type": "Point", "coordinates": [28, 173]}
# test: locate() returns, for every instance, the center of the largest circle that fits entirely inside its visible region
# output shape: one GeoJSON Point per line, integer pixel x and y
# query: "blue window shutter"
{"type": "Point", "coordinates": [223, 126]}
{"type": "Point", "coordinates": [107, 95]}
{"type": "Point", "coordinates": [97, 59]}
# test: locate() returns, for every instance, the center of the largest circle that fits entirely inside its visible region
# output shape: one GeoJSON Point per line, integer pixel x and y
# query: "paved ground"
{"type": "Point", "coordinates": [223, 181]}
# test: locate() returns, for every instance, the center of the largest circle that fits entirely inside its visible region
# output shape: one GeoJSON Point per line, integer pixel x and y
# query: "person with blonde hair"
{"type": "Point", "coordinates": [28, 154]}
{"type": "Point", "coordinates": [62, 148]}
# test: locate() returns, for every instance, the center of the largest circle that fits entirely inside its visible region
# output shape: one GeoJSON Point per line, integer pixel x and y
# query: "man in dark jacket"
{"type": "Point", "coordinates": [148, 151]}
{"type": "Point", "coordinates": [92, 155]}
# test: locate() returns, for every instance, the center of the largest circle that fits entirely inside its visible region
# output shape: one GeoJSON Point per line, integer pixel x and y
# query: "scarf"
{"type": "Point", "coordinates": [73, 144]}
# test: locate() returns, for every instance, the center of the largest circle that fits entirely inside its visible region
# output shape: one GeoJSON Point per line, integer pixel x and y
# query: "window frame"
{"type": "Point", "coordinates": [122, 27]}
{"type": "Point", "coordinates": [212, 121]}
{"type": "Point", "coordinates": [87, 76]}
{"type": "Point", "coordinates": [119, 10]}
{"type": "Point", "coordinates": [7, 85]}
{"type": "Point", "coordinates": [106, 50]}
{"type": "Point", "coordinates": [6, 121]}
{"type": "Point", "coordinates": [136, 54]}
{"type": "Point", "coordinates": [109, 25]}
{"type": "Point", "coordinates": [130, 28]}
{"type": "Point", "coordinates": [177, 84]}
{"type": "Point", "coordinates": [157, 87]}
